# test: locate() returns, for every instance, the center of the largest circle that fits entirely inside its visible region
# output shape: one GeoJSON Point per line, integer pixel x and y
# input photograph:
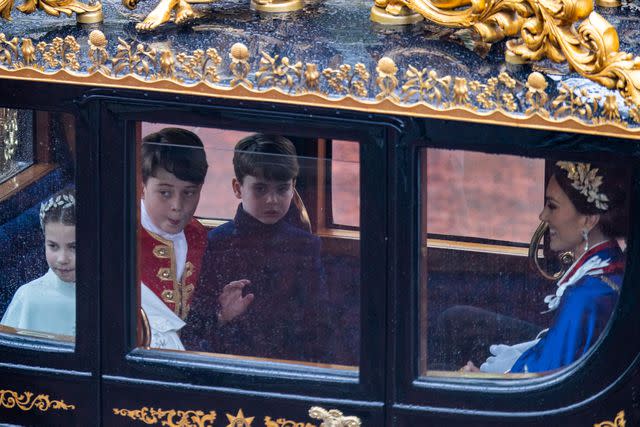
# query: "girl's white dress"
{"type": "Point", "coordinates": [46, 304]}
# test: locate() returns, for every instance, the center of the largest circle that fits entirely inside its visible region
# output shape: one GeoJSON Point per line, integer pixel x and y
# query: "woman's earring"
{"type": "Point", "coordinates": [585, 237]}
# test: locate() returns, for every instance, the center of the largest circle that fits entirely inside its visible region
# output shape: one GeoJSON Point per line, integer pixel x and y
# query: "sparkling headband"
{"type": "Point", "coordinates": [586, 180]}
{"type": "Point", "coordinates": [62, 200]}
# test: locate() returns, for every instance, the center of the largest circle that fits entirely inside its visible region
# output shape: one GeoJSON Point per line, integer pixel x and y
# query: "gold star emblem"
{"type": "Point", "coordinates": [239, 420]}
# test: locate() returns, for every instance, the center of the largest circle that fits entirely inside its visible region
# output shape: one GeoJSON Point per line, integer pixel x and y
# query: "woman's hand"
{"type": "Point", "coordinates": [470, 367]}
{"type": "Point", "coordinates": [232, 303]}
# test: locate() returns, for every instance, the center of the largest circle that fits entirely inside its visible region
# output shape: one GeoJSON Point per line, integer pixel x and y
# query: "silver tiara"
{"type": "Point", "coordinates": [61, 200]}
{"type": "Point", "coordinates": [586, 180]}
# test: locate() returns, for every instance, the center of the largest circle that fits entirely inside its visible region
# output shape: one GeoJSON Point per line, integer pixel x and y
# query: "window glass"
{"type": "Point", "coordinates": [471, 194]}
{"type": "Point", "coordinates": [16, 141]}
{"type": "Point", "coordinates": [345, 198]}
{"type": "Point", "coordinates": [485, 308]}
{"type": "Point", "coordinates": [37, 225]}
{"type": "Point", "coordinates": [261, 285]}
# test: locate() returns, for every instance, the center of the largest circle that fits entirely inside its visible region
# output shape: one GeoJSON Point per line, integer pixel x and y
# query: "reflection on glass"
{"type": "Point", "coordinates": [16, 141]}
{"type": "Point", "coordinates": [257, 285]}
{"type": "Point", "coordinates": [489, 313]}
{"type": "Point", "coordinates": [37, 228]}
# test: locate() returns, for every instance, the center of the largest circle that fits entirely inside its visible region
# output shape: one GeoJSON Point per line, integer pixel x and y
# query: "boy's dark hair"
{"type": "Point", "coordinates": [178, 151]}
{"type": "Point", "coordinates": [272, 157]}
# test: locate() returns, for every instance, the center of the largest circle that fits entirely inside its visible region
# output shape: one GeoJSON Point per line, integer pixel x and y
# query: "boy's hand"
{"type": "Point", "coordinates": [232, 303]}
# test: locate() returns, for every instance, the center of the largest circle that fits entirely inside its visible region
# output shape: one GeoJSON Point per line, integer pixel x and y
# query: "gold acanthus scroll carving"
{"type": "Point", "coordinates": [545, 29]}
{"type": "Point", "coordinates": [619, 421]}
{"type": "Point", "coordinates": [27, 401]}
{"type": "Point", "coordinates": [86, 13]}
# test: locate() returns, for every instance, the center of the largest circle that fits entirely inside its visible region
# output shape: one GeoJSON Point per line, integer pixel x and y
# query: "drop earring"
{"type": "Point", "coordinates": [585, 237]}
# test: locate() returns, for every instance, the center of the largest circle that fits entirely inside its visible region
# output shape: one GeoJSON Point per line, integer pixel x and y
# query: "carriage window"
{"type": "Point", "coordinates": [259, 283]}
{"type": "Point", "coordinates": [521, 261]}
{"type": "Point", "coordinates": [37, 225]}
{"type": "Point", "coordinates": [344, 169]}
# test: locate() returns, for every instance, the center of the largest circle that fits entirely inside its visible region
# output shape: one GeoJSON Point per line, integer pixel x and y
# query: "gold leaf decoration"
{"type": "Point", "coordinates": [387, 81]}
{"type": "Point", "coordinates": [422, 90]}
{"type": "Point", "coordinates": [619, 421]}
{"type": "Point", "coordinates": [239, 66]}
{"type": "Point", "coordinates": [497, 93]}
{"type": "Point", "coordinates": [27, 401]}
{"type": "Point", "coordinates": [201, 65]}
{"type": "Point", "coordinates": [170, 417]}
{"type": "Point", "coordinates": [278, 73]}
{"type": "Point", "coordinates": [61, 53]}
{"type": "Point", "coordinates": [546, 29]}
{"type": "Point", "coordinates": [426, 86]}
{"type": "Point", "coordinates": [536, 96]}
{"type": "Point", "coordinates": [98, 53]}
{"type": "Point", "coordinates": [572, 103]}
{"type": "Point", "coordinates": [140, 61]}
{"type": "Point", "coordinates": [8, 50]}
{"type": "Point", "coordinates": [346, 80]}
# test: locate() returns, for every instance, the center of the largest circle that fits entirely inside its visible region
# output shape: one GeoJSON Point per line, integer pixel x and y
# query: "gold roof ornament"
{"type": "Point", "coordinates": [545, 29]}
{"type": "Point", "coordinates": [86, 13]}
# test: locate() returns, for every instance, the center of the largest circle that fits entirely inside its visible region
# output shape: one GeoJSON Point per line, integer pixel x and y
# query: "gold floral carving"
{"type": "Point", "coordinates": [546, 29]}
{"type": "Point", "coordinates": [240, 67]}
{"type": "Point", "coordinates": [278, 73]}
{"type": "Point", "coordinates": [387, 81]}
{"type": "Point", "coordinates": [62, 53]}
{"type": "Point", "coordinates": [619, 421]}
{"type": "Point", "coordinates": [27, 401]}
{"type": "Point", "coordinates": [333, 418]}
{"type": "Point", "coordinates": [415, 90]}
{"type": "Point", "coordinates": [97, 52]}
{"type": "Point", "coordinates": [281, 422]}
{"type": "Point", "coordinates": [170, 417]}
{"type": "Point", "coordinates": [140, 60]}
{"type": "Point", "coordinates": [348, 80]}
{"type": "Point", "coordinates": [201, 65]}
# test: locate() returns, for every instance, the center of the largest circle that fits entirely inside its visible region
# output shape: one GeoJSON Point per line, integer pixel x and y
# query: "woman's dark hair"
{"type": "Point", "coordinates": [271, 157]}
{"type": "Point", "coordinates": [176, 150]}
{"type": "Point", "coordinates": [61, 207]}
{"type": "Point", "coordinates": [614, 219]}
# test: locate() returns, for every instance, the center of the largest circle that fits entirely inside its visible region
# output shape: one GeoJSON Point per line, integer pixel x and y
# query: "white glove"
{"type": "Point", "coordinates": [504, 356]}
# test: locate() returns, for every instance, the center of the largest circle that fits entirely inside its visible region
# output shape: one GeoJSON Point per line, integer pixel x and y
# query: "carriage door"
{"type": "Point", "coordinates": [475, 293]}
{"type": "Point", "coordinates": [48, 340]}
{"type": "Point", "coordinates": [310, 346]}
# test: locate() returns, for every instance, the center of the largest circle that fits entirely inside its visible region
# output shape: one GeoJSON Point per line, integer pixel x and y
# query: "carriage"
{"type": "Point", "coordinates": [426, 135]}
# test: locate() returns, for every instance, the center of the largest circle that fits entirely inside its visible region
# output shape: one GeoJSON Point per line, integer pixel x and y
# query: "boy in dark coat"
{"type": "Point", "coordinates": [274, 294]}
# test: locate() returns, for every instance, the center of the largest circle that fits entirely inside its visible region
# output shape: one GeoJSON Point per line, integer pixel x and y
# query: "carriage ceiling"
{"type": "Point", "coordinates": [330, 54]}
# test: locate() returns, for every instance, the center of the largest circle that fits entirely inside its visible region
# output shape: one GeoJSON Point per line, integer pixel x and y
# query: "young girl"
{"type": "Point", "coordinates": [48, 303]}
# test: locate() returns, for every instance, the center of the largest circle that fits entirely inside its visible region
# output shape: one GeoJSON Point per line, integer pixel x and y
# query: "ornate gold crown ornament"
{"type": "Point", "coordinates": [545, 29]}
{"type": "Point", "coordinates": [586, 180]}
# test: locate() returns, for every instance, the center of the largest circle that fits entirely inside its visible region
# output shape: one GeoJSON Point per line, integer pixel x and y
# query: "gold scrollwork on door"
{"type": "Point", "coordinates": [27, 401]}
{"type": "Point", "coordinates": [333, 418]}
{"type": "Point", "coordinates": [170, 417]}
{"type": "Point", "coordinates": [619, 421]}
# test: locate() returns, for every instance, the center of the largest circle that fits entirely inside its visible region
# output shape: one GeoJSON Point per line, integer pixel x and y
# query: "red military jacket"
{"type": "Point", "coordinates": [158, 266]}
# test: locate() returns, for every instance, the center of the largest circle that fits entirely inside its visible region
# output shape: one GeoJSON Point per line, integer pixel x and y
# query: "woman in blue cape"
{"type": "Point", "coordinates": [585, 210]}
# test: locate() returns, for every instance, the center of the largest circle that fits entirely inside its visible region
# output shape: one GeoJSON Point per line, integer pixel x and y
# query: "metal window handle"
{"type": "Point", "coordinates": [333, 418]}
{"type": "Point", "coordinates": [566, 258]}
